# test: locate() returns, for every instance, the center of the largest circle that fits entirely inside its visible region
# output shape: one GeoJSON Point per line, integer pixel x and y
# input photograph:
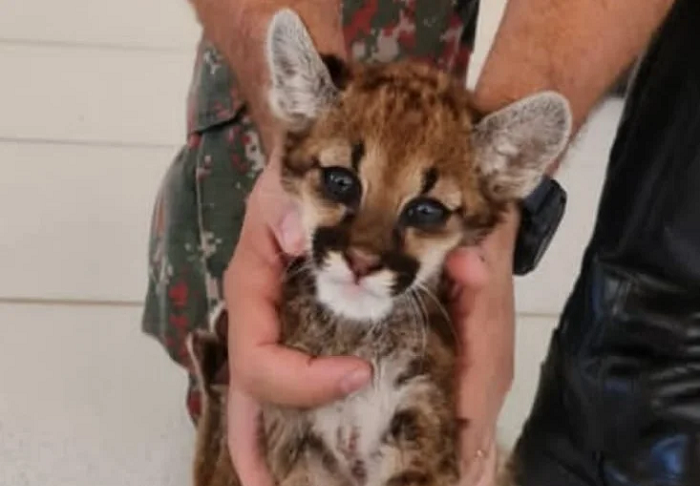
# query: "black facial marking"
{"type": "Point", "coordinates": [338, 69]}
{"type": "Point", "coordinates": [327, 239]}
{"type": "Point", "coordinates": [405, 268]}
{"type": "Point", "coordinates": [358, 152]}
{"type": "Point", "coordinates": [429, 180]}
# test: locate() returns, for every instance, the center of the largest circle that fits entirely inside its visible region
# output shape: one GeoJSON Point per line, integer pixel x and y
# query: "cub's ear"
{"type": "Point", "coordinates": [302, 83]}
{"type": "Point", "coordinates": [514, 145]}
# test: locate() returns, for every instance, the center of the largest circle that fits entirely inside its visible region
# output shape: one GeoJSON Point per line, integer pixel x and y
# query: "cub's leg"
{"type": "Point", "coordinates": [212, 462]}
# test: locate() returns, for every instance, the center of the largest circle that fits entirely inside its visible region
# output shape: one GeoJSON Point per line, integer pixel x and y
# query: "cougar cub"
{"type": "Point", "coordinates": [391, 169]}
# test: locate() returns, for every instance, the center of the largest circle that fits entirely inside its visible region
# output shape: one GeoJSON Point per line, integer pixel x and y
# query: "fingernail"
{"type": "Point", "coordinates": [354, 381]}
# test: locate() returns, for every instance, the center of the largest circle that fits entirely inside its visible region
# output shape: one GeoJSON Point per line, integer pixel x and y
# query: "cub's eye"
{"type": "Point", "coordinates": [340, 185]}
{"type": "Point", "coordinates": [424, 213]}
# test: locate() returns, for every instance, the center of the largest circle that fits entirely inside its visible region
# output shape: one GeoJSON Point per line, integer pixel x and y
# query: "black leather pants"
{"type": "Point", "coordinates": [618, 402]}
{"type": "Point", "coordinates": [619, 396]}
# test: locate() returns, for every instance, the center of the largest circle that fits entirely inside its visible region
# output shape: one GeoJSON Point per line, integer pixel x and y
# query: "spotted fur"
{"type": "Point", "coordinates": [391, 169]}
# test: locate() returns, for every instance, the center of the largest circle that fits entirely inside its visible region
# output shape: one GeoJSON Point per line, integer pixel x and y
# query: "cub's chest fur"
{"type": "Point", "coordinates": [410, 351]}
{"type": "Point", "coordinates": [357, 428]}
{"type": "Point", "coordinates": [407, 405]}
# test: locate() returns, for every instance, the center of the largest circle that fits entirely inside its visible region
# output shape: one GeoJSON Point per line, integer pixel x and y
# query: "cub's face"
{"type": "Point", "coordinates": [386, 188]}
{"type": "Point", "coordinates": [391, 170]}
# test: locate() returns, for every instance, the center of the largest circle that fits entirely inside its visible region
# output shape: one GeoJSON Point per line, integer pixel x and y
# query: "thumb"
{"type": "Point", "coordinates": [468, 271]}
{"type": "Point", "coordinates": [278, 211]}
{"type": "Point", "coordinates": [289, 232]}
{"type": "Point", "coordinates": [467, 267]}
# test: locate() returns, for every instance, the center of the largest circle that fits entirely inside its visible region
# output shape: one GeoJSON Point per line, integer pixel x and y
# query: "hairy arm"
{"type": "Point", "coordinates": [576, 47]}
{"type": "Point", "coordinates": [237, 28]}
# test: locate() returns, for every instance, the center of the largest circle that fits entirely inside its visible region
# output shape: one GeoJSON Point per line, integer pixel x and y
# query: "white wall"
{"type": "Point", "coordinates": [92, 110]}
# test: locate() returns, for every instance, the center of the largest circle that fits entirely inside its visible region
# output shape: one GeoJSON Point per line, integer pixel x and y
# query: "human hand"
{"type": "Point", "coordinates": [483, 312]}
{"type": "Point", "coordinates": [261, 370]}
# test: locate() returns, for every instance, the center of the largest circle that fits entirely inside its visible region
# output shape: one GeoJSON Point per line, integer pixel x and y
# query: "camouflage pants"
{"type": "Point", "coordinates": [201, 203]}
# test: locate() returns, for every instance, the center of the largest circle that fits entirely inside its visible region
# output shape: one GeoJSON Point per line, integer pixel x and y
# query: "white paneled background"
{"type": "Point", "coordinates": [92, 111]}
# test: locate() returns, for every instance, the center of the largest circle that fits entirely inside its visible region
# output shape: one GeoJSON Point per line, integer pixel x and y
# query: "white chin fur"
{"type": "Point", "coordinates": [369, 301]}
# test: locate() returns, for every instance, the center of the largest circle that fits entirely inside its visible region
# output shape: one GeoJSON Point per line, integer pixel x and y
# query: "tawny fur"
{"type": "Point", "coordinates": [405, 133]}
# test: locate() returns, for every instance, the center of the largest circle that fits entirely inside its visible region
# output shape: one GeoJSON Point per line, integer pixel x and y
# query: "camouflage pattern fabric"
{"type": "Point", "coordinates": [201, 203]}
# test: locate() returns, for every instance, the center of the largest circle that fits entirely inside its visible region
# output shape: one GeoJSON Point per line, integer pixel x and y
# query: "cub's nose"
{"type": "Point", "coordinates": [361, 262]}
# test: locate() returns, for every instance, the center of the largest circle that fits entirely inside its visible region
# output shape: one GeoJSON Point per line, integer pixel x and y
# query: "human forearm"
{"type": "Point", "coordinates": [237, 29]}
{"type": "Point", "coordinates": [576, 47]}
